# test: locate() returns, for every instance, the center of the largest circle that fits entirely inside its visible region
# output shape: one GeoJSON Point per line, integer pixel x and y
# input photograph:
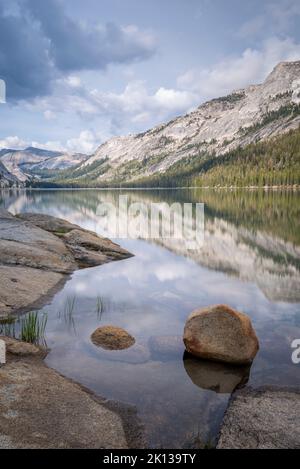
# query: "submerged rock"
{"type": "Point", "coordinates": [112, 338]}
{"type": "Point", "coordinates": [263, 418]}
{"type": "Point", "coordinates": [222, 378]}
{"type": "Point", "coordinates": [220, 333]}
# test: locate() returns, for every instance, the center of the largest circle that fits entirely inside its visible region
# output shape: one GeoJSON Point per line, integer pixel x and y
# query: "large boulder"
{"type": "Point", "coordinates": [220, 333]}
{"type": "Point", "coordinates": [112, 338]}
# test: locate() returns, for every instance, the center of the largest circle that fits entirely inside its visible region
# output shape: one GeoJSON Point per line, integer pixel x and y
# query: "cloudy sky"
{"type": "Point", "coordinates": [78, 72]}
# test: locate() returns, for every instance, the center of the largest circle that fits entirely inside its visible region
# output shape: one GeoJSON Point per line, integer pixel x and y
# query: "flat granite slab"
{"type": "Point", "coordinates": [39, 408]}
{"type": "Point", "coordinates": [263, 418]}
{"type": "Point", "coordinates": [38, 252]}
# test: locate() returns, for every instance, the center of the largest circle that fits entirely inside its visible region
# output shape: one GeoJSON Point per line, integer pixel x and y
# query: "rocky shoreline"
{"type": "Point", "coordinates": [39, 408]}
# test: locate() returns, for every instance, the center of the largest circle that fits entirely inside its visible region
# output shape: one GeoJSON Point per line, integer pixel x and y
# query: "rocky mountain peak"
{"type": "Point", "coordinates": [284, 70]}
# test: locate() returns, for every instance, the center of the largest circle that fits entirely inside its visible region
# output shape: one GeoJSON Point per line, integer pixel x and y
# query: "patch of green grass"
{"type": "Point", "coordinates": [29, 328]}
{"type": "Point", "coordinates": [32, 327]}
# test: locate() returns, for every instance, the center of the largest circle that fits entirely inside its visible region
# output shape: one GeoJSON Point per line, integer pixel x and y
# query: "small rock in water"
{"type": "Point", "coordinates": [112, 338]}
{"type": "Point", "coordinates": [220, 333]}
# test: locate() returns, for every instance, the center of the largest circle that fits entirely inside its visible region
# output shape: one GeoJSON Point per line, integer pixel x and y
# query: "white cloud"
{"type": "Point", "coordinates": [13, 142]}
{"type": "Point", "coordinates": [87, 142]}
{"type": "Point", "coordinates": [17, 143]}
{"type": "Point", "coordinates": [236, 72]}
{"type": "Point", "coordinates": [135, 104]}
{"type": "Point", "coordinates": [73, 81]}
{"type": "Point", "coordinates": [136, 99]}
{"type": "Point", "coordinates": [174, 100]}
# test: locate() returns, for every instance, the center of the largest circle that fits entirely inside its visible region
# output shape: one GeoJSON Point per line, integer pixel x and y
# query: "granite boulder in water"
{"type": "Point", "coordinates": [220, 333]}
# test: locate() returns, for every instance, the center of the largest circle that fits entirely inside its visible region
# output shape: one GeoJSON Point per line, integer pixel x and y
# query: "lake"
{"type": "Point", "coordinates": [250, 260]}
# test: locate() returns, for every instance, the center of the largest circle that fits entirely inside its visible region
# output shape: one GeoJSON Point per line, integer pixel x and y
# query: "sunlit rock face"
{"type": "Point", "coordinates": [218, 126]}
{"type": "Point", "coordinates": [6, 178]}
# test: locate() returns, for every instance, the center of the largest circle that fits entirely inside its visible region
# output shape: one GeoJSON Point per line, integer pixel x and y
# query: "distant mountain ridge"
{"type": "Point", "coordinates": [20, 167]}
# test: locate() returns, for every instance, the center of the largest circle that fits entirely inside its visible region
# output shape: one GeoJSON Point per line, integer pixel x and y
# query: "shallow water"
{"type": "Point", "coordinates": [250, 260]}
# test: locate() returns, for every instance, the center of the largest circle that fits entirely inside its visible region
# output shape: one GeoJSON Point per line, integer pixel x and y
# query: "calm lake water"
{"type": "Point", "coordinates": [250, 260]}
